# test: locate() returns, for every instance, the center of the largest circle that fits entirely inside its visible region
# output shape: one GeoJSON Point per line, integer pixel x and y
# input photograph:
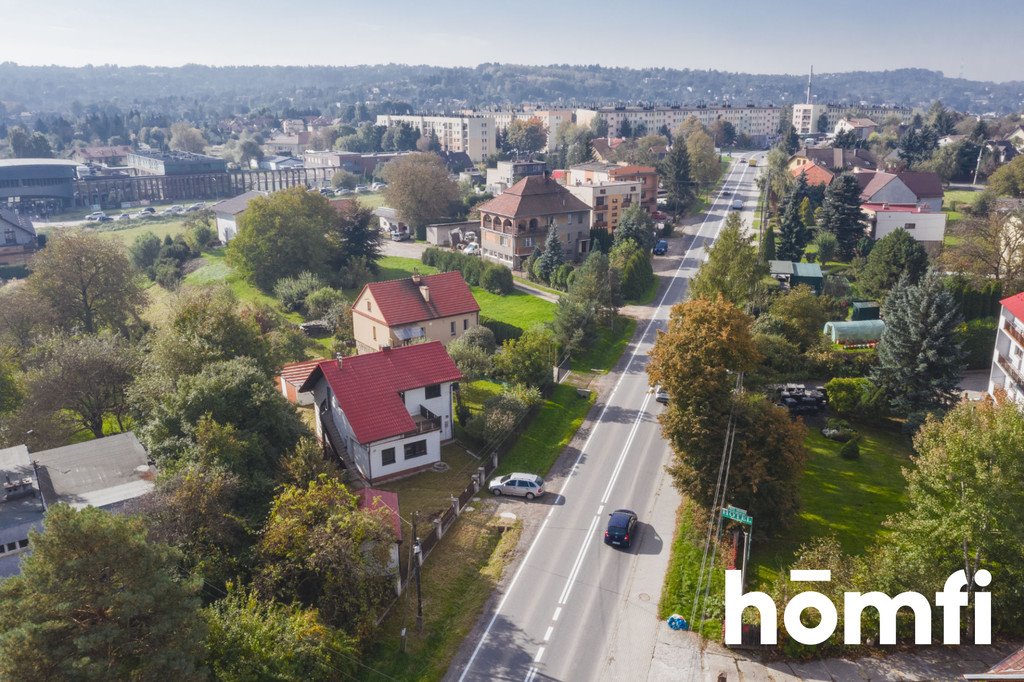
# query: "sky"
{"type": "Point", "coordinates": [753, 36]}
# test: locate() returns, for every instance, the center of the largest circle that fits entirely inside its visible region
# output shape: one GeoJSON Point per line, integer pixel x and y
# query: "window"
{"type": "Point", "coordinates": [416, 449]}
{"type": "Point", "coordinates": [11, 546]}
{"type": "Point", "coordinates": [434, 390]}
{"type": "Point", "coordinates": [9, 236]}
{"type": "Point", "coordinates": [387, 456]}
{"type": "Point", "coordinates": [374, 330]}
{"type": "Point", "coordinates": [465, 324]}
{"type": "Point", "coordinates": [909, 226]}
{"type": "Point", "coordinates": [453, 327]}
{"type": "Point", "coordinates": [369, 306]}
{"type": "Point", "coordinates": [22, 544]}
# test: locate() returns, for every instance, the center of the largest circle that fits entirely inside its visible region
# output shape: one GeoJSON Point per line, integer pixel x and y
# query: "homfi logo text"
{"type": "Point", "coordinates": [951, 600]}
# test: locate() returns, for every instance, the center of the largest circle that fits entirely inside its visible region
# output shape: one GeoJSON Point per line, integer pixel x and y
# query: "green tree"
{"type": "Point", "coordinates": [895, 254]}
{"type": "Point", "coordinates": [768, 248]}
{"type": "Point", "coordinates": [1008, 180]}
{"type": "Point", "coordinates": [319, 549]}
{"type": "Point", "coordinates": [344, 179]}
{"type": "Point", "coordinates": [841, 214]}
{"type": "Point", "coordinates": [282, 235]}
{"type": "Point", "coordinates": [96, 601]}
{"type": "Point", "coordinates": [676, 177]}
{"type": "Point", "coordinates": [592, 299]}
{"type": "Point", "coordinates": [917, 145]}
{"type": "Point", "coordinates": [419, 189]}
{"type": "Point", "coordinates": [919, 355]}
{"type": "Point", "coordinates": [791, 143]}
{"type": "Point", "coordinates": [527, 137]}
{"type": "Point", "coordinates": [822, 124]}
{"type": "Point", "coordinates": [704, 166]}
{"type": "Point", "coordinates": [806, 212]}
{"type": "Point", "coordinates": [187, 138]}
{"type": "Point", "coordinates": [88, 281]}
{"type": "Point", "coordinates": [990, 248]}
{"type": "Point", "coordinates": [551, 257]}
{"type": "Point", "coordinates": [637, 226]}
{"type": "Point", "coordinates": [528, 360]}
{"type": "Point", "coordinates": [828, 247]}
{"type": "Point", "coordinates": [572, 145]}
{"type": "Point", "coordinates": [732, 268]}
{"type": "Point", "coordinates": [793, 234]}
{"type": "Point", "coordinates": [472, 360]}
{"type": "Point", "coordinates": [804, 311]}
{"type": "Point", "coordinates": [256, 639]}
{"type": "Point", "coordinates": [962, 509]}
{"type": "Point", "coordinates": [25, 317]}
{"type": "Point", "coordinates": [633, 267]}
{"type": "Point", "coordinates": [355, 237]}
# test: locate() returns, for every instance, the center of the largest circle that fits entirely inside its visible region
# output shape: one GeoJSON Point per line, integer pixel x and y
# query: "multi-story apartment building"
{"type": "Point", "coordinates": [805, 116]}
{"type": "Point", "coordinates": [507, 173]}
{"type": "Point", "coordinates": [1008, 356]}
{"type": "Point", "coordinates": [646, 176]}
{"type": "Point", "coordinates": [607, 201]}
{"type": "Point", "coordinates": [760, 124]}
{"type": "Point", "coordinates": [552, 119]}
{"type": "Point", "coordinates": [474, 135]}
{"type": "Point", "coordinates": [517, 221]}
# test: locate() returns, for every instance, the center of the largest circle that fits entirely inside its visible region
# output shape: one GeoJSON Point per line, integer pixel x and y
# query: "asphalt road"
{"type": "Point", "coordinates": [574, 608]}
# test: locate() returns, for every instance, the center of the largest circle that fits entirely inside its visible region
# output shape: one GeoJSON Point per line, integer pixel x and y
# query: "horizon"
{"type": "Point", "coordinates": [738, 38]}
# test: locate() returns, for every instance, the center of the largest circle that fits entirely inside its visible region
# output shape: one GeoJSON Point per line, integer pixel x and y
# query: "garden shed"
{"type": "Point", "coordinates": [854, 332]}
{"type": "Point", "coordinates": [794, 274]}
{"type": "Point", "coordinates": [865, 310]}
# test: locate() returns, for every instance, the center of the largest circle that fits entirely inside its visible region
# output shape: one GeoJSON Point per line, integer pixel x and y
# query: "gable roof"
{"type": "Point", "coordinates": [367, 386]}
{"type": "Point", "coordinates": [373, 499]}
{"type": "Point", "coordinates": [861, 122]}
{"type": "Point", "coordinates": [816, 174]}
{"type": "Point", "coordinates": [1010, 668]}
{"type": "Point", "coordinates": [925, 185]}
{"type": "Point", "coordinates": [616, 171]}
{"type": "Point", "coordinates": [20, 222]}
{"type": "Point", "coordinates": [400, 301]}
{"type": "Point", "coordinates": [832, 157]}
{"type": "Point", "coordinates": [1015, 304]}
{"type": "Point", "coordinates": [871, 183]}
{"type": "Point", "coordinates": [296, 373]}
{"type": "Point", "coordinates": [236, 205]}
{"type": "Point", "coordinates": [100, 473]}
{"type": "Point", "coordinates": [534, 195]}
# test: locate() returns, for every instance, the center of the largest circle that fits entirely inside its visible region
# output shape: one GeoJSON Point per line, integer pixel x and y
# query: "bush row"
{"type": "Point", "coordinates": [495, 278]}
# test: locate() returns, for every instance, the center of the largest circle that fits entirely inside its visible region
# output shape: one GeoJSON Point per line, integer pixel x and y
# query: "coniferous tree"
{"type": "Point", "coordinates": [919, 356]}
{"type": "Point", "coordinates": [552, 255]}
{"type": "Point", "coordinates": [894, 255]}
{"type": "Point", "coordinates": [806, 212]}
{"type": "Point", "coordinates": [793, 234]}
{"type": "Point", "coordinates": [768, 251]}
{"type": "Point", "coordinates": [841, 214]}
{"type": "Point", "coordinates": [675, 174]}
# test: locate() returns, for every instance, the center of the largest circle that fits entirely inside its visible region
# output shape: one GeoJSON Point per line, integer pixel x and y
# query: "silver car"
{"type": "Point", "coordinates": [523, 485]}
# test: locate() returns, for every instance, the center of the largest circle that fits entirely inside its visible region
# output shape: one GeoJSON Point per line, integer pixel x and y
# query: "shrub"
{"type": "Point", "coordinates": [560, 277]}
{"type": "Point", "coordinates": [482, 338]}
{"type": "Point", "coordinates": [292, 291]}
{"type": "Point", "coordinates": [503, 413]}
{"type": "Point", "coordinates": [851, 396]}
{"type": "Point", "coordinates": [978, 338]}
{"type": "Point", "coordinates": [496, 279]}
{"type": "Point", "coordinates": [356, 272]}
{"type": "Point", "coordinates": [850, 449]}
{"type": "Point", "coordinates": [320, 303]}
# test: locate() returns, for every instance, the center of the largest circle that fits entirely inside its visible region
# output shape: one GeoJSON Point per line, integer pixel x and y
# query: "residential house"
{"type": "Point", "coordinates": [816, 174]}
{"type": "Point", "coordinates": [1003, 151]}
{"type": "Point", "coordinates": [1017, 137]}
{"type": "Point", "coordinates": [603, 148]}
{"type": "Point", "coordinates": [399, 311]}
{"type": "Point", "coordinates": [517, 221]}
{"type": "Point", "coordinates": [105, 473]}
{"type": "Point", "coordinates": [925, 226]}
{"type": "Point", "coordinates": [229, 211]}
{"type": "Point", "coordinates": [456, 162]}
{"type": "Point", "coordinates": [1007, 372]}
{"type": "Point", "coordinates": [292, 376]}
{"type": "Point", "coordinates": [288, 145]}
{"type": "Point", "coordinates": [1010, 669]}
{"type": "Point", "coordinates": [861, 127]}
{"type": "Point", "coordinates": [18, 240]}
{"type": "Point", "coordinates": [906, 188]}
{"type": "Point", "coordinates": [507, 173]}
{"type": "Point", "coordinates": [834, 159]}
{"type": "Point", "coordinates": [607, 201]}
{"type": "Point", "coordinates": [385, 414]}
{"type": "Point", "coordinates": [598, 172]}
{"type": "Point", "coordinates": [116, 155]}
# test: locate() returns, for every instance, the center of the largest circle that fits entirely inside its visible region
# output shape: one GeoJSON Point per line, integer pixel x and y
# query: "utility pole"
{"type": "Point", "coordinates": [417, 558]}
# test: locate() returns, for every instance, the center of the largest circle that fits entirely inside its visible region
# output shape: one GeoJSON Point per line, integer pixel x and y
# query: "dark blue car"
{"type": "Point", "coordinates": [661, 248]}
{"type": "Point", "coordinates": [621, 528]}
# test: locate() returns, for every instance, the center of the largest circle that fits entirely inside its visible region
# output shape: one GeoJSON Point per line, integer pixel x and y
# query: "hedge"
{"type": "Point", "coordinates": [495, 278]}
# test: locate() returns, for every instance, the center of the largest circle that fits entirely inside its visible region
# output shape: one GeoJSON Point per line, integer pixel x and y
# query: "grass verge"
{"type": "Point", "coordinates": [517, 309]}
{"type": "Point", "coordinates": [457, 579]}
{"type": "Point", "coordinates": [680, 585]}
{"type": "Point", "coordinates": [602, 355]}
{"type": "Point", "coordinates": [554, 424]}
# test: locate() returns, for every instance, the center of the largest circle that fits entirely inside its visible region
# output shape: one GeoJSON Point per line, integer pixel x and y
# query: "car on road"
{"type": "Point", "coordinates": [660, 248]}
{"type": "Point", "coordinates": [104, 219]}
{"type": "Point", "coordinates": [95, 216]}
{"type": "Point", "coordinates": [661, 395]}
{"type": "Point", "coordinates": [523, 485]}
{"type": "Point", "coordinates": [726, 193]}
{"type": "Point", "coordinates": [149, 209]}
{"type": "Point", "coordinates": [621, 528]}
{"type": "Point", "coordinates": [737, 205]}
{"type": "Point", "coordinates": [124, 216]}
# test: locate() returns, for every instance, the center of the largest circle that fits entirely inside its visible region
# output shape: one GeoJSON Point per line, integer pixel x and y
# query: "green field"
{"type": "Point", "coordinates": [680, 587]}
{"type": "Point", "coordinates": [602, 355]}
{"type": "Point", "coordinates": [848, 499]}
{"type": "Point", "coordinates": [518, 309]}
{"type": "Point", "coordinates": [126, 236]}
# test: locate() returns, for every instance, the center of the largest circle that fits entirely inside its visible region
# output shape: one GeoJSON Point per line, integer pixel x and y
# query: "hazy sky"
{"type": "Point", "coordinates": [757, 36]}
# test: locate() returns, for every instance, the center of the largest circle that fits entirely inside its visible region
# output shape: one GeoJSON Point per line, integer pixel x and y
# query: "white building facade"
{"type": "Point", "coordinates": [474, 135]}
{"type": "Point", "coordinates": [1008, 355]}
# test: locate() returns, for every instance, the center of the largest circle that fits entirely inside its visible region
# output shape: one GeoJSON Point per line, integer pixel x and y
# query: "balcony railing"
{"type": "Point", "coordinates": [1012, 332]}
{"type": "Point", "coordinates": [1010, 371]}
{"type": "Point", "coordinates": [426, 421]}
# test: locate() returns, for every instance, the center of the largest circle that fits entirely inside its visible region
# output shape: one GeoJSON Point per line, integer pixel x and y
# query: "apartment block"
{"type": "Point", "coordinates": [474, 135]}
{"type": "Point", "coordinates": [760, 124]}
{"type": "Point", "coordinates": [607, 201]}
{"type": "Point", "coordinates": [805, 116]}
{"type": "Point", "coordinates": [604, 173]}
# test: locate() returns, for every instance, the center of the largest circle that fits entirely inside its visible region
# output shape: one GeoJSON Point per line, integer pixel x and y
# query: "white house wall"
{"type": "Point", "coordinates": [226, 229]}
{"type": "Point", "coordinates": [441, 406]}
{"type": "Point", "coordinates": [928, 227]}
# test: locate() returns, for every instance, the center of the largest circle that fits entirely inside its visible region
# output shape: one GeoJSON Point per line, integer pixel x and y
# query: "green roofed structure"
{"type": "Point", "coordinates": [795, 274]}
{"type": "Point", "coordinates": [854, 332]}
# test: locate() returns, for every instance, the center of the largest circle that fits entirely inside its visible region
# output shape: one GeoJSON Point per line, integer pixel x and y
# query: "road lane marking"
{"type": "Point", "coordinates": [547, 635]}
{"type": "Point", "coordinates": [558, 612]}
{"type": "Point", "coordinates": [530, 674]}
{"type": "Point", "coordinates": [540, 652]}
{"type": "Point", "coordinates": [579, 561]}
{"type": "Point", "coordinates": [569, 477]}
{"type": "Point", "coordinates": [625, 448]}
{"type": "Point", "coordinates": [600, 509]}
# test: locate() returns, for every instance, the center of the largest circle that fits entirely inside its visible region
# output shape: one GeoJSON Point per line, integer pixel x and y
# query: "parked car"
{"type": "Point", "coordinates": [104, 219]}
{"type": "Point", "coordinates": [326, 191]}
{"type": "Point", "coordinates": [523, 485]}
{"type": "Point", "coordinates": [361, 189]}
{"type": "Point", "coordinates": [95, 215]}
{"type": "Point", "coordinates": [661, 395]}
{"type": "Point", "coordinates": [124, 216]}
{"type": "Point", "coordinates": [621, 528]}
{"type": "Point", "coordinates": [661, 248]}
{"type": "Point", "coordinates": [399, 236]}
{"type": "Point", "coordinates": [194, 207]}
{"type": "Point", "coordinates": [472, 249]}
{"type": "Point", "coordinates": [737, 205]}
{"type": "Point", "coordinates": [149, 209]}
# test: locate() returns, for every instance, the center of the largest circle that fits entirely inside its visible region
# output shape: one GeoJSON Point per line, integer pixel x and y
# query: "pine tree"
{"type": "Point", "coordinates": [841, 214]}
{"type": "Point", "coordinates": [806, 213]}
{"type": "Point", "coordinates": [768, 245]}
{"type": "Point", "coordinates": [552, 256]}
{"type": "Point", "coordinates": [793, 234]}
{"type": "Point", "coordinates": [919, 357]}
{"type": "Point", "coordinates": [676, 177]}
{"type": "Point", "coordinates": [894, 255]}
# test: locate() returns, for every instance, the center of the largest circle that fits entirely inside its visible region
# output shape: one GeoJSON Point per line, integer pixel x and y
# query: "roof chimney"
{"type": "Point", "coordinates": [425, 292]}
{"type": "Point", "coordinates": [416, 278]}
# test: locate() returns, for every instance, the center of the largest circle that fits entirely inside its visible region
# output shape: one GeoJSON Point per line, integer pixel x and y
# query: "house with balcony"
{"type": "Point", "coordinates": [1008, 355]}
{"type": "Point", "coordinates": [597, 172]}
{"type": "Point", "coordinates": [607, 201]}
{"type": "Point", "coordinates": [385, 414]}
{"type": "Point", "coordinates": [517, 221]}
{"type": "Point", "coordinates": [398, 312]}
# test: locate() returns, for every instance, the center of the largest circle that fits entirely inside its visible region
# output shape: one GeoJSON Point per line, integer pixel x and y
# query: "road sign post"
{"type": "Point", "coordinates": [738, 515]}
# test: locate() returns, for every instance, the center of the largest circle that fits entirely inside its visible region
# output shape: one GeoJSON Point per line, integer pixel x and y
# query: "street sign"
{"type": "Point", "coordinates": [738, 515]}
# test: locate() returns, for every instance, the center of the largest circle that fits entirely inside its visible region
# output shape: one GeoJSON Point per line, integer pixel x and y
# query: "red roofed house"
{"type": "Point", "coordinates": [816, 174]}
{"type": "Point", "coordinates": [1010, 668]}
{"type": "Point", "coordinates": [1008, 356]}
{"type": "Point", "coordinates": [905, 188]}
{"type": "Point", "coordinates": [385, 414]}
{"type": "Point", "coordinates": [395, 312]}
{"type": "Point", "coordinates": [517, 221]}
{"type": "Point", "coordinates": [294, 375]}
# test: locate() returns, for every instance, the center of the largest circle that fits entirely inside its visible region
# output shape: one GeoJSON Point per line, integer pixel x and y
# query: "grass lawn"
{"type": "Point", "coordinates": [602, 355]}
{"type": "Point", "coordinates": [397, 267]}
{"type": "Point", "coordinates": [537, 285]}
{"type": "Point", "coordinates": [127, 235]}
{"type": "Point", "coordinates": [518, 309]}
{"type": "Point", "coordinates": [959, 196]}
{"type": "Point", "coordinates": [457, 579]}
{"type": "Point", "coordinates": [430, 492]}
{"type": "Point", "coordinates": [217, 270]}
{"type": "Point", "coordinates": [677, 594]}
{"type": "Point", "coordinates": [548, 432]}
{"type": "Point", "coordinates": [848, 499]}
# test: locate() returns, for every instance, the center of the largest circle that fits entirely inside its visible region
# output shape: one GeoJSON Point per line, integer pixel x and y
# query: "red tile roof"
{"type": "Point", "coordinates": [1015, 304]}
{"type": "Point", "coordinates": [367, 386]}
{"type": "Point", "coordinates": [816, 175]}
{"type": "Point", "coordinates": [399, 301]}
{"type": "Point", "coordinates": [374, 499]}
{"type": "Point", "coordinates": [297, 372]}
{"type": "Point", "coordinates": [534, 195]}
